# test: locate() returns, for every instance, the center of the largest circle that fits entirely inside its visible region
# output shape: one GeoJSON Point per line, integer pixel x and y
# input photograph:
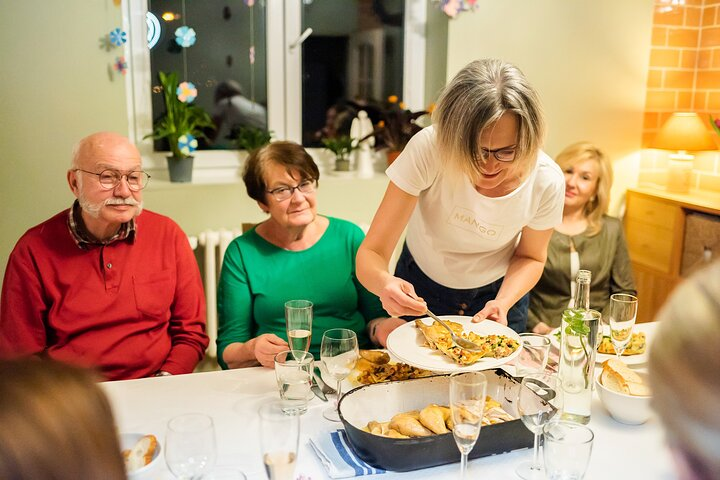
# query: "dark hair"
{"type": "Point", "coordinates": [56, 424]}
{"type": "Point", "coordinates": [288, 154]}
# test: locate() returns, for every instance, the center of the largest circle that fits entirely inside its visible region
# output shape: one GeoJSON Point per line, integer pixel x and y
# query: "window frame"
{"type": "Point", "coordinates": [284, 87]}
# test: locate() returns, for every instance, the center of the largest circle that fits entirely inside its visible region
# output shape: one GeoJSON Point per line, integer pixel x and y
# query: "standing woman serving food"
{"type": "Point", "coordinates": [479, 199]}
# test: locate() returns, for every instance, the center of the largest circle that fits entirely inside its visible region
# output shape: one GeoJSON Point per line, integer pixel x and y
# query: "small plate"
{"type": "Point", "coordinates": [128, 441]}
{"type": "Point", "coordinates": [407, 343]}
{"type": "Point", "coordinates": [627, 359]}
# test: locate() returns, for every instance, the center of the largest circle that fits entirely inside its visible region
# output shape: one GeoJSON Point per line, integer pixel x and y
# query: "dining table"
{"type": "Point", "coordinates": [232, 398]}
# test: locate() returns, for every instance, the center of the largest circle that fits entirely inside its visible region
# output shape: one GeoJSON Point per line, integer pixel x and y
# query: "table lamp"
{"type": "Point", "coordinates": [682, 132]}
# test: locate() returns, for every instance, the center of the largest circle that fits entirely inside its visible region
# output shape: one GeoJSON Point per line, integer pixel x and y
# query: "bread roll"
{"type": "Point", "coordinates": [620, 378]}
{"type": "Point", "coordinates": [141, 454]}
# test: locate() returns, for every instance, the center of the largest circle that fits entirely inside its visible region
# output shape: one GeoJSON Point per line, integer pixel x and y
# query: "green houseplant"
{"type": "Point", "coordinates": [250, 138]}
{"type": "Point", "coordinates": [341, 146]}
{"type": "Point", "coordinates": [180, 119]}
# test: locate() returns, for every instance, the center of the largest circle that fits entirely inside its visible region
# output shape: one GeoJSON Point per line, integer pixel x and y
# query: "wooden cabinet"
{"type": "Point", "coordinates": [655, 228]}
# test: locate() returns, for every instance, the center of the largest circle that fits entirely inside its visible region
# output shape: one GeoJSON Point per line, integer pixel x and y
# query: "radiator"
{"type": "Point", "coordinates": [209, 247]}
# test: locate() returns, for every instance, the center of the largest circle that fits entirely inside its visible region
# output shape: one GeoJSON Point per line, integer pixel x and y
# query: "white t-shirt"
{"type": "Point", "coordinates": [460, 238]}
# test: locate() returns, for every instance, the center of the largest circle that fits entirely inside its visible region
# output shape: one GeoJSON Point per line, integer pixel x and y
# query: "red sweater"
{"type": "Point", "coordinates": [129, 308]}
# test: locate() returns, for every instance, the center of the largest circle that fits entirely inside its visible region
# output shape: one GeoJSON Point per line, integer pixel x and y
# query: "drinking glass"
{"type": "Point", "coordinates": [467, 405]}
{"type": "Point", "coordinates": [279, 437]}
{"type": "Point", "coordinates": [623, 311]}
{"type": "Point", "coordinates": [567, 448]}
{"type": "Point", "coordinates": [533, 356]}
{"type": "Point", "coordinates": [293, 371]}
{"type": "Point", "coordinates": [190, 446]}
{"type": "Point", "coordinates": [339, 352]}
{"type": "Point", "coordinates": [539, 400]}
{"type": "Point", "coordinates": [298, 322]}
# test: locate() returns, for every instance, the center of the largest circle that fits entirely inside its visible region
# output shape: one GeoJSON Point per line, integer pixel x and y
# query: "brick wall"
{"type": "Point", "coordinates": [684, 75]}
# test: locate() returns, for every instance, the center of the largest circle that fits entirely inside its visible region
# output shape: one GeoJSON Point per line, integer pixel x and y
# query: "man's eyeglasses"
{"type": "Point", "coordinates": [505, 154]}
{"type": "Point", "coordinates": [283, 193]}
{"type": "Point", "coordinates": [110, 179]}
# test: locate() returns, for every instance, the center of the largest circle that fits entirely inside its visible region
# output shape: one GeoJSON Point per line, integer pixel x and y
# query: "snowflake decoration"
{"type": "Point", "coordinates": [185, 37]}
{"type": "Point", "coordinates": [120, 65]}
{"type": "Point", "coordinates": [187, 144]}
{"type": "Point", "coordinates": [118, 37]}
{"type": "Point", "coordinates": [186, 92]}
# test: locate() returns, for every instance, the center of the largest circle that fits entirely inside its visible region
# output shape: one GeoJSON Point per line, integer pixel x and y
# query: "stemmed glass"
{"type": "Point", "coordinates": [539, 400]}
{"type": "Point", "coordinates": [339, 352]}
{"type": "Point", "coordinates": [467, 405]}
{"type": "Point", "coordinates": [623, 311]}
{"type": "Point", "coordinates": [298, 322]}
{"type": "Point", "coordinates": [279, 437]}
{"type": "Point", "coordinates": [190, 446]}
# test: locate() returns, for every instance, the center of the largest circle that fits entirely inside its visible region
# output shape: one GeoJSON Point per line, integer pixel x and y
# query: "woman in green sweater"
{"type": "Point", "coordinates": [295, 254]}
{"type": "Point", "coordinates": [587, 239]}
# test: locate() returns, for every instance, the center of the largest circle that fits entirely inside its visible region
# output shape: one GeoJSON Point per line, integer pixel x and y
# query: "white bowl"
{"type": "Point", "coordinates": [127, 441]}
{"type": "Point", "coordinates": [628, 409]}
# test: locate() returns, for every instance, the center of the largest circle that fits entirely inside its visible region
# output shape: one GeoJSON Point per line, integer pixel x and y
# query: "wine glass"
{"type": "Point", "coordinates": [298, 323]}
{"type": "Point", "coordinates": [623, 311]}
{"type": "Point", "coordinates": [339, 352]}
{"type": "Point", "coordinates": [279, 437]}
{"type": "Point", "coordinates": [190, 446]}
{"type": "Point", "coordinates": [467, 405]}
{"type": "Point", "coordinates": [539, 400]}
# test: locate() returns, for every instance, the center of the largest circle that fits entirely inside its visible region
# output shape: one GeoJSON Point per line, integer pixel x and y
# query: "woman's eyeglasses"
{"type": "Point", "coordinates": [505, 154]}
{"type": "Point", "coordinates": [283, 193]}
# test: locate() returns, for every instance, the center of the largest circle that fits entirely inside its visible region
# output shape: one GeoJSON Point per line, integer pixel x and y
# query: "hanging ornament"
{"type": "Point", "coordinates": [120, 65]}
{"type": "Point", "coordinates": [452, 8]}
{"type": "Point", "coordinates": [117, 37]}
{"type": "Point", "coordinates": [187, 144]}
{"type": "Point", "coordinates": [185, 36]}
{"type": "Point", "coordinates": [249, 3]}
{"type": "Point", "coordinates": [186, 92]}
{"type": "Point", "coordinates": [252, 55]}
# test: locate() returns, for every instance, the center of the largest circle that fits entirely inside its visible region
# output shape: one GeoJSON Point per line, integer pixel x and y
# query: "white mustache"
{"type": "Point", "coordinates": [122, 201]}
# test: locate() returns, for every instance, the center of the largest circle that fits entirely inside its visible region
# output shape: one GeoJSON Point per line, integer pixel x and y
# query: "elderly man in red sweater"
{"type": "Point", "coordinates": [100, 284]}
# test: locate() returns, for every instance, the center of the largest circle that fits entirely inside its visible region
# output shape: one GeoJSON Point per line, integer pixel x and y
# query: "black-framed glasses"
{"type": "Point", "coordinates": [505, 154]}
{"type": "Point", "coordinates": [110, 179]}
{"type": "Point", "coordinates": [283, 193]}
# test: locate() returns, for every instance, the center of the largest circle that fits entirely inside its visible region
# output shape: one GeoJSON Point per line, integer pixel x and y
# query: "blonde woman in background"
{"type": "Point", "coordinates": [684, 365]}
{"type": "Point", "coordinates": [55, 424]}
{"type": "Point", "coordinates": [587, 239]}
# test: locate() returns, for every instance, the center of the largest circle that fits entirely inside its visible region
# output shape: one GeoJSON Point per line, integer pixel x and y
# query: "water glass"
{"type": "Point", "coordinates": [467, 406]}
{"type": "Point", "coordinates": [298, 323]}
{"type": "Point", "coordinates": [190, 445]}
{"type": "Point", "coordinates": [279, 438]}
{"type": "Point", "coordinates": [567, 450]}
{"type": "Point", "coordinates": [623, 311]}
{"type": "Point", "coordinates": [533, 356]}
{"type": "Point", "coordinates": [293, 371]}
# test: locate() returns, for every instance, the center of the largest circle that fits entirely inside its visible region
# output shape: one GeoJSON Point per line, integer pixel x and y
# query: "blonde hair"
{"type": "Point", "coordinates": [56, 424]}
{"type": "Point", "coordinates": [598, 205]}
{"type": "Point", "coordinates": [474, 101]}
{"type": "Point", "coordinates": [683, 368]}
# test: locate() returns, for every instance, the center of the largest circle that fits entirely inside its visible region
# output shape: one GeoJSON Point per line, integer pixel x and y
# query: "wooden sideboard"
{"type": "Point", "coordinates": [655, 227]}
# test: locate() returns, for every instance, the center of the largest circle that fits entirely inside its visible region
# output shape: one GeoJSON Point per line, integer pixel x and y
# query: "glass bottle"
{"type": "Point", "coordinates": [582, 290]}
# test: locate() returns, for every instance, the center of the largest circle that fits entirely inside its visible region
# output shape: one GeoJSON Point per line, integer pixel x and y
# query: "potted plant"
{"type": "Point", "coordinates": [397, 126]}
{"type": "Point", "coordinates": [250, 138]}
{"type": "Point", "coordinates": [341, 146]}
{"type": "Point", "coordinates": [182, 124]}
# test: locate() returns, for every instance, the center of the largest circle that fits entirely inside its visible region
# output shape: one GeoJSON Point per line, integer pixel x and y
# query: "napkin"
{"type": "Point", "coordinates": [338, 458]}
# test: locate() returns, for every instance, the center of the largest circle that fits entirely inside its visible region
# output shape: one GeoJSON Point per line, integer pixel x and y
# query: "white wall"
{"type": "Point", "coordinates": [587, 58]}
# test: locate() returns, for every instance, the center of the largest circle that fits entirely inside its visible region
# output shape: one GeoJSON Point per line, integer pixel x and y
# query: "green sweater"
{"type": "Point", "coordinates": [604, 254]}
{"type": "Point", "coordinates": [257, 278]}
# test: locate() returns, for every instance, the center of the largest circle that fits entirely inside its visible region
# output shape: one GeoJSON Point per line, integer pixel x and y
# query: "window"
{"type": "Point", "coordinates": [356, 53]}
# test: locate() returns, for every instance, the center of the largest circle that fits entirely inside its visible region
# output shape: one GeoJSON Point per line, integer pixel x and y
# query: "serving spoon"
{"type": "Point", "coordinates": [457, 340]}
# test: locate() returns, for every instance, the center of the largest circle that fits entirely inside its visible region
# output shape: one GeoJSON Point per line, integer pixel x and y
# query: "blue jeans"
{"type": "Point", "coordinates": [442, 300]}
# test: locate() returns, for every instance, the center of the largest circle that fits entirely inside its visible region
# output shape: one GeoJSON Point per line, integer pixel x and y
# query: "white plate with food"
{"type": "Point", "coordinates": [630, 358]}
{"type": "Point", "coordinates": [409, 345]}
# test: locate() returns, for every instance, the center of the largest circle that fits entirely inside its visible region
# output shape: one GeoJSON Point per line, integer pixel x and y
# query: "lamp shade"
{"type": "Point", "coordinates": [684, 131]}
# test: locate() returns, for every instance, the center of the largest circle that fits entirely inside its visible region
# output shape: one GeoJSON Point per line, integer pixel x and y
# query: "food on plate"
{"type": "Point", "coordinates": [374, 366]}
{"type": "Point", "coordinates": [620, 378]}
{"type": "Point", "coordinates": [432, 420]}
{"type": "Point", "coordinates": [140, 454]}
{"type": "Point", "coordinates": [438, 338]}
{"type": "Point", "coordinates": [635, 347]}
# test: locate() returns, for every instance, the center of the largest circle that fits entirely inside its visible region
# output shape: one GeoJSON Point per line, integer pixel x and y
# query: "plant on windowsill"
{"type": "Point", "coordinates": [341, 146]}
{"type": "Point", "coordinates": [181, 124]}
{"type": "Point", "coordinates": [397, 126]}
{"type": "Point", "coordinates": [250, 138]}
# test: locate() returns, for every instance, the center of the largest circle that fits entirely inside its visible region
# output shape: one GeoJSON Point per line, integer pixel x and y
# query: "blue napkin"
{"type": "Point", "coordinates": [338, 458]}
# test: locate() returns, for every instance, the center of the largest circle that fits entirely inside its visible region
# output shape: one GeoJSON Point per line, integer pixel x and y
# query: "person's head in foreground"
{"type": "Point", "coordinates": [683, 367]}
{"type": "Point", "coordinates": [56, 424]}
{"type": "Point", "coordinates": [490, 122]}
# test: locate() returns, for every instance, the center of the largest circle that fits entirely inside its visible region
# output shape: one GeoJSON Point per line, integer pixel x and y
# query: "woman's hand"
{"type": "Point", "coordinates": [494, 310]}
{"type": "Point", "coordinates": [380, 328]}
{"type": "Point", "coordinates": [542, 328]}
{"type": "Point", "coordinates": [266, 346]}
{"type": "Point", "coordinates": [398, 298]}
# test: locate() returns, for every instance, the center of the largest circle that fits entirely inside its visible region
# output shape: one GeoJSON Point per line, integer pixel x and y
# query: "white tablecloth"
{"type": "Point", "coordinates": [233, 397]}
